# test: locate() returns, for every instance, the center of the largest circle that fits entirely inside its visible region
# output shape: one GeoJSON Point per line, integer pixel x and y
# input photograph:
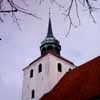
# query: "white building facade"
{"type": "Point", "coordinates": [46, 71]}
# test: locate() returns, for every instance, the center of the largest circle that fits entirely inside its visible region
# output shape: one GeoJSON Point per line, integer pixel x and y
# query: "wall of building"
{"type": "Point", "coordinates": [44, 81]}
{"type": "Point", "coordinates": [54, 74]}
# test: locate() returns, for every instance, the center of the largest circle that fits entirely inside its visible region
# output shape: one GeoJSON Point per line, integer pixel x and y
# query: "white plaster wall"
{"type": "Point", "coordinates": [37, 82]}
{"type": "Point", "coordinates": [44, 81]}
{"type": "Point", "coordinates": [54, 75]}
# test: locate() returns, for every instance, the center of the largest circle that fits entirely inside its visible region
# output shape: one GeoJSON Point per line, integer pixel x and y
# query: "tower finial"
{"type": "Point", "coordinates": [49, 13]}
{"type": "Point", "coordinates": [50, 33]}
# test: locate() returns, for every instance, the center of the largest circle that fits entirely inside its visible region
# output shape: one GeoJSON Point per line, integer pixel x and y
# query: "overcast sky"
{"type": "Point", "coordinates": [19, 48]}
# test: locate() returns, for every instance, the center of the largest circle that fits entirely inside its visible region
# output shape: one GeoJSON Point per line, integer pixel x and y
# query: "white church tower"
{"type": "Point", "coordinates": [45, 72]}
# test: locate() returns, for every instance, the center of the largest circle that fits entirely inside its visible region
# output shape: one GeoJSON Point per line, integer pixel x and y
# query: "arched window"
{"type": "Point", "coordinates": [49, 48]}
{"type": "Point", "coordinates": [43, 51]}
{"type": "Point", "coordinates": [40, 68]}
{"type": "Point", "coordinates": [31, 73]}
{"type": "Point", "coordinates": [59, 67]}
{"type": "Point", "coordinates": [33, 94]}
{"type": "Point", "coordinates": [69, 69]}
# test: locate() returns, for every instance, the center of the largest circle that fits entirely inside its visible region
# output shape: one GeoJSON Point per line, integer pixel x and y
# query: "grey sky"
{"type": "Point", "coordinates": [19, 48]}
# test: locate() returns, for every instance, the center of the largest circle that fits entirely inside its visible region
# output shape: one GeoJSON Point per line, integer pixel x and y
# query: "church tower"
{"type": "Point", "coordinates": [45, 72]}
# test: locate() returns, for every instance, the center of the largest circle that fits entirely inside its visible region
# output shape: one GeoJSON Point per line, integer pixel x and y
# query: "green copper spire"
{"type": "Point", "coordinates": [50, 44]}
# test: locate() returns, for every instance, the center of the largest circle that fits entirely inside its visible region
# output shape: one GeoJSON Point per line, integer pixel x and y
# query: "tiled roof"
{"type": "Point", "coordinates": [82, 83]}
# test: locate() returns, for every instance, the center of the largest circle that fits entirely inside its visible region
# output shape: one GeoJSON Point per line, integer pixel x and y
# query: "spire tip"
{"type": "Point", "coordinates": [49, 13]}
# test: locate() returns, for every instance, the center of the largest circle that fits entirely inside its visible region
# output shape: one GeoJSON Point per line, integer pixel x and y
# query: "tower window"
{"type": "Point", "coordinates": [31, 73]}
{"type": "Point", "coordinates": [40, 68]}
{"type": "Point", "coordinates": [43, 51]}
{"type": "Point", "coordinates": [69, 69]}
{"type": "Point", "coordinates": [33, 94]}
{"type": "Point", "coordinates": [59, 67]}
{"type": "Point", "coordinates": [49, 48]}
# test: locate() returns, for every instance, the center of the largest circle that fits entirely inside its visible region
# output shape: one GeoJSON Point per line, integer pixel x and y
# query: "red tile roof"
{"type": "Point", "coordinates": [82, 83]}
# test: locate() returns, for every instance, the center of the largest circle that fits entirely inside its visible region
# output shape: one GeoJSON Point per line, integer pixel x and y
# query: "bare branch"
{"type": "Point", "coordinates": [76, 4]}
{"type": "Point", "coordinates": [58, 4]}
{"type": "Point", "coordinates": [67, 9]}
{"type": "Point", "coordinates": [16, 8]}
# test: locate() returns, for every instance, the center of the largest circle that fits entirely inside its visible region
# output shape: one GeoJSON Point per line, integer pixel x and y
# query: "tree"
{"type": "Point", "coordinates": [11, 7]}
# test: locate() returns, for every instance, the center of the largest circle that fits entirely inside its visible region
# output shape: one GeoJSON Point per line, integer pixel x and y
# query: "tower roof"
{"type": "Point", "coordinates": [50, 33]}
{"type": "Point", "coordinates": [50, 43]}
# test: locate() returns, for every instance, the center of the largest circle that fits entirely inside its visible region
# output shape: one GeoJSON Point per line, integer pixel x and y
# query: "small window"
{"type": "Point", "coordinates": [69, 69]}
{"type": "Point", "coordinates": [33, 94]}
{"type": "Point", "coordinates": [43, 51]}
{"type": "Point", "coordinates": [40, 68]}
{"type": "Point", "coordinates": [59, 67]}
{"type": "Point", "coordinates": [49, 48]}
{"type": "Point", "coordinates": [31, 73]}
